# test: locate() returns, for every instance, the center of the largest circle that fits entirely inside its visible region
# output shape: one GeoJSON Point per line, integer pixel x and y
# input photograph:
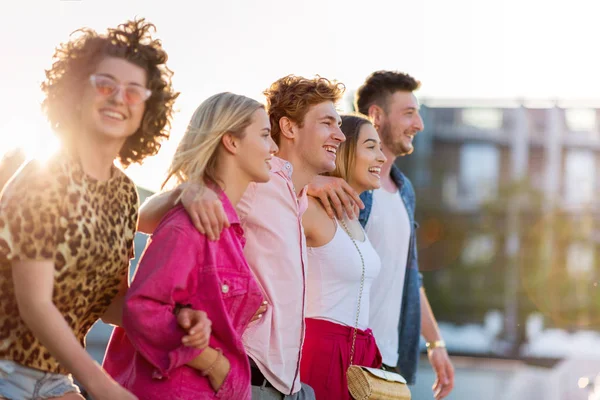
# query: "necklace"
{"type": "Point", "coordinates": [362, 285]}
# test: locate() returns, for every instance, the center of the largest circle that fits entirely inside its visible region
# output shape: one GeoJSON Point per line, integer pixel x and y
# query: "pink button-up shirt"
{"type": "Point", "coordinates": [181, 267]}
{"type": "Point", "coordinates": [271, 216]}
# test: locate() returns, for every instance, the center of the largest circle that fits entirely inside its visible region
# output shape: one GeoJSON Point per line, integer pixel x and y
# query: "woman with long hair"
{"type": "Point", "coordinates": [343, 264]}
{"type": "Point", "coordinates": [227, 145]}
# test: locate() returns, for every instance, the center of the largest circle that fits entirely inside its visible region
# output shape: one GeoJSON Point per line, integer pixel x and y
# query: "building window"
{"type": "Point", "coordinates": [479, 172]}
{"type": "Point", "coordinates": [444, 117]}
{"type": "Point", "coordinates": [484, 118]}
{"type": "Point", "coordinates": [580, 120]}
{"type": "Point", "coordinates": [479, 249]}
{"type": "Point", "coordinates": [580, 175]}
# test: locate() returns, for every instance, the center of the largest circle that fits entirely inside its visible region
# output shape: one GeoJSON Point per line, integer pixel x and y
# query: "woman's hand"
{"type": "Point", "coordinates": [198, 327]}
{"type": "Point", "coordinates": [261, 310]}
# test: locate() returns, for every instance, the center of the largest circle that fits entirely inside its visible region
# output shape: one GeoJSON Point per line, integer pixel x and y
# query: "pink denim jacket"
{"type": "Point", "coordinates": [182, 267]}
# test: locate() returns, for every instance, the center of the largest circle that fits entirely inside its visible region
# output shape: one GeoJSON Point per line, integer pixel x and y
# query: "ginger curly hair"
{"type": "Point", "coordinates": [75, 60]}
{"type": "Point", "coordinates": [292, 96]}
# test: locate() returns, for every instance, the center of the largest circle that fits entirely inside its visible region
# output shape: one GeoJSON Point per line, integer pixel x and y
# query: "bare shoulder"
{"type": "Point", "coordinates": [318, 227]}
{"type": "Point", "coordinates": [315, 210]}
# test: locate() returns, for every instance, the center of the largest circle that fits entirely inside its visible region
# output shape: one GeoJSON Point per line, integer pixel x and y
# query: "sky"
{"type": "Point", "coordinates": [457, 49]}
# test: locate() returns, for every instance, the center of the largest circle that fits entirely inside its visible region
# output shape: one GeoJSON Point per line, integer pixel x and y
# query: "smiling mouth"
{"type": "Point", "coordinates": [113, 115]}
{"type": "Point", "coordinates": [331, 149]}
{"type": "Point", "coordinates": [375, 171]}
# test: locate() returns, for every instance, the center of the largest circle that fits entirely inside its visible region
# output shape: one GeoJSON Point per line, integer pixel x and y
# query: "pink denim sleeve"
{"type": "Point", "coordinates": [166, 276]}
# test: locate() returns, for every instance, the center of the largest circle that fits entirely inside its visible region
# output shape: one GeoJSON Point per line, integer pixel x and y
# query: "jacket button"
{"type": "Point", "coordinates": [225, 288]}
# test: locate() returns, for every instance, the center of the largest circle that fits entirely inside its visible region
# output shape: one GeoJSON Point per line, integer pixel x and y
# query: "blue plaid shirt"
{"type": "Point", "coordinates": [409, 328]}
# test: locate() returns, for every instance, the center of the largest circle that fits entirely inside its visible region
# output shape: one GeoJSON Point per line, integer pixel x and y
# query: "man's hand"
{"type": "Point", "coordinates": [336, 192]}
{"type": "Point", "coordinates": [444, 371]}
{"type": "Point", "coordinates": [205, 210]}
{"type": "Point", "coordinates": [197, 325]}
{"type": "Point", "coordinates": [261, 310]}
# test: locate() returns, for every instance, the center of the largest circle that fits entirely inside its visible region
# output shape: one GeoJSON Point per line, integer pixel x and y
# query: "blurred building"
{"type": "Point", "coordinates": [508, 219]}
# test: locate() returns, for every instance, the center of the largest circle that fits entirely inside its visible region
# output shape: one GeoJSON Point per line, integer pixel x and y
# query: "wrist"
{"type": "Point", "coordinates": [436, 344]}
{"type": "Point", "coordinates": [221, 368]}
{"type": "Point", "coordinates": [210, 370]}
{"type": "Point", "coordinates": [97, 383]}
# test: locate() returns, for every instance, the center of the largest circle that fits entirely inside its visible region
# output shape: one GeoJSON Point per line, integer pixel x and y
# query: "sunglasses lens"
{"type": "Point", "coordinates": [105, 86]}
{"type": "Point", "coordinates": [134, 95]}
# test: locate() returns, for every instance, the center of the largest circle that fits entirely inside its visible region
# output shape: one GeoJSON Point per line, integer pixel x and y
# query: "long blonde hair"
{"type": "Point", "coordinates": [196, 157]}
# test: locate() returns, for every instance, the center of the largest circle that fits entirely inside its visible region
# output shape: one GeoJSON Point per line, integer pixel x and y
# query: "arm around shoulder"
{"type": "Point", "coordinates": [155, 208]}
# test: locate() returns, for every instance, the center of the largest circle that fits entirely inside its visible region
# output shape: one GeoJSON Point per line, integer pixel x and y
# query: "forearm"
{"type": "Point", "coordinates": [429, 327]}
{"type": "Point", "coordinates": [155, 207]}
{"type": "Point", "coordinates": [50, 327]}
{"type": "Point", "coordinates": [213, 364]}
{"type": "Point", "coordinates": [204, 360]}
{"type": "Point", "coordinates": [163, 348]}
{"type": "Point", "coordinates": [114, 313]}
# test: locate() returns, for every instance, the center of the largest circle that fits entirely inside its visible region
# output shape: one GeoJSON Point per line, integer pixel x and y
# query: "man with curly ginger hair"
{"type": "Point", "coordinates": [306, 127]}
{"type": "Point", "coordinates": [67, 225]}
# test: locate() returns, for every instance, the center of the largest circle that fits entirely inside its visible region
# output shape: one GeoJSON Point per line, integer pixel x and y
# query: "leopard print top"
{"type": "Point", "coordinates": [54, 211]}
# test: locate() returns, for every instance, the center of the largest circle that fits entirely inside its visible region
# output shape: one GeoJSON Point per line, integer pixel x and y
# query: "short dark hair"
{"type": "Point", "coordinates": [379, 86]}
{"type": "Point", "coordinates": [76, 59]}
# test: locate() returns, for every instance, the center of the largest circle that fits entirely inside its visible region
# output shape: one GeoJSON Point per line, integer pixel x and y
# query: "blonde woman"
{"type": "Point", "coordinates": [227, 145]}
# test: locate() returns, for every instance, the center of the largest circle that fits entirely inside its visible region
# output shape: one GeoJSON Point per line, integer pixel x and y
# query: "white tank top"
{"type": "Point", "coordinates": [389, 230]}
{"type": "Point", "coordinates": [334, 275]}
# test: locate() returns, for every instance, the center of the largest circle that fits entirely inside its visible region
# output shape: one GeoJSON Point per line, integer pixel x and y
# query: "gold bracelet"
{"type": "Point", "coordinates": [434, 345]}
{"type": "Point", "coordinates": [212, 366]}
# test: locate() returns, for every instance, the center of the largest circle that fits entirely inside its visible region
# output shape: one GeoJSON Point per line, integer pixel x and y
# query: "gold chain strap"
{"type": "Point", "coordinates": [362, 284]}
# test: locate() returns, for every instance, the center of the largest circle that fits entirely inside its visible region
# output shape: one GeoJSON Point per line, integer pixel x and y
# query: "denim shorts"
{"type": "Point", "coordinates": [18, 382]}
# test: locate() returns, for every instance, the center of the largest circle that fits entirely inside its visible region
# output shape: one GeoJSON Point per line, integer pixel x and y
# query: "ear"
{"type": "Point", "coordinates": [231, 143]}
{"type": "Point", "coordinates": [287, 127]}
{"type": "Point", "coordinates": [376, 115]}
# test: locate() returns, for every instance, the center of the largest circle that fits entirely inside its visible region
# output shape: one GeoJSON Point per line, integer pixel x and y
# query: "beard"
{"type": "Point", "coordinates": [399, 146]}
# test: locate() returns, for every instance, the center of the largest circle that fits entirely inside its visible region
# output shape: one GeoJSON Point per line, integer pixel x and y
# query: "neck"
{"type": "Point", "coordinates": [97, 155]}
{"type": "Point", "coordinates": [357, 188]}
{"type": "Point", "coordinates": [233, 181]}
{"type": "Point", "coordinates": [302, 174]}
{"type": "Point", "coordinates": [386, 170]}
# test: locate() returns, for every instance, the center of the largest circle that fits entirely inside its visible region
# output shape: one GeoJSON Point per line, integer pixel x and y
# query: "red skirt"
{"type": "Point", "coordinates": [326, 357]}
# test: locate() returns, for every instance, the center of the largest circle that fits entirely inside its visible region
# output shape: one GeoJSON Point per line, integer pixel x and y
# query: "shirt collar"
{"type": "Point", "coordinates": [397, 176]}
{"type": "Point", "coordinates": [285, 169]}
{"type": "Point", "coordinates": [73, 161]}
{"type": "Point", "coordinates": [283, 166]}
